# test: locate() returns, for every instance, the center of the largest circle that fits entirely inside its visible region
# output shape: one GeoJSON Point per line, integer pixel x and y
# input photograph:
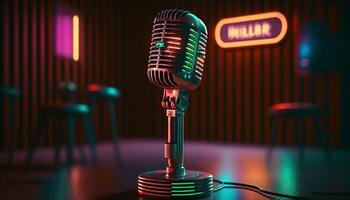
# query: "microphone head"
{"type": "Point", "coordinates": [177, 52]}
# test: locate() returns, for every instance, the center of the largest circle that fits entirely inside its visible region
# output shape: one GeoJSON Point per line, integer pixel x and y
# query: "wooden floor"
{"type": "Point", "coordinates": [114, 176]}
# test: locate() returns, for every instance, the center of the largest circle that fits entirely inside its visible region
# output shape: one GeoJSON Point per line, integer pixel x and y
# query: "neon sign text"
{"type": "Point", "coordinates": [251, 30]}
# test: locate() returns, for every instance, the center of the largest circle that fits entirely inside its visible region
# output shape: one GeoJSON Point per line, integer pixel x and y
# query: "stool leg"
{"type": "Point", "coordinates": [272, 139]}
{"type": "Point", "coordinates": [57, 139]}
{"type": "Point", "coordinates": [35, 140]}
{"type": "Point", "coordinates": [81, 149]}
{"type": "Point", "coordinates": [11, 139]}
{"type": "Point", "coordinates": [113, 120]}
{"type": "Point", "coordinates": [113, 124]}
{"type": "Point", "coordinates": [70, 139]}
{"type": "Point", "coordinates": [324, 137]}
{"type": "Point", "coordinates": [302, 137]}
{"type": "Point", "coordinates": [93, 107]}
{"type": "Point", "coordinates": [90, 136]}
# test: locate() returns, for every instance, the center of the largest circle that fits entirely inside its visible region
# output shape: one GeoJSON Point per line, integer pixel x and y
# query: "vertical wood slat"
{"type": "Point", "coordinates": [256, 86]}
{"type": "Point", "coordinates": [50, 60]}
{"type": "Point", "coordinates": [203, 90]}
{"type": "Point", "coordinates": [192, 116]}
{"type": "Point", "coordinates": [238, 83]}
{"type": "Point", "coordinates": [212, 72]}
{"type": "Point", "coordinates": [220, 87]}
{"type": "Point", "coordinates": [24, 73]}
{"type": "Point", "coordinates": [5, 70]}
{"type": "Point", "coordinates": [226, 107]}
{"type": "Point", "coordinates": [229, 77]}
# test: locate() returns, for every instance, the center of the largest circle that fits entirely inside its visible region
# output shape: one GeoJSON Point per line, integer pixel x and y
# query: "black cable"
{"type": "Point", "coordinates": [266, 192]}
{"type": "Point", "coordinates": [256, 189]}
{"type": "Point", "coordinates": [246, 188]}
{"type": "Point", "coordinates": [332, 193]}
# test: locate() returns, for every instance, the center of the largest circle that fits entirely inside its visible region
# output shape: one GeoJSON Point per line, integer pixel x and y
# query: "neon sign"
{"type": "Point", "coordinates": [75, 38]}
{"type": "Point", "coordinates": [251, 30]}
{"type": "Point", "coordinates": [67, 36]}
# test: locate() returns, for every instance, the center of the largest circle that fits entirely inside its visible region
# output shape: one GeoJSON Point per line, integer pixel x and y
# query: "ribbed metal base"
{"type": "Point", "coordinates": [157, 184]}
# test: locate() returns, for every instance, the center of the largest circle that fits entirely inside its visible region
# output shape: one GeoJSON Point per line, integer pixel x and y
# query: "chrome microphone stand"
{"type": "Point", "coordinates": [175, 181]}
{"type": "Point", "coordinates": [175, 101]}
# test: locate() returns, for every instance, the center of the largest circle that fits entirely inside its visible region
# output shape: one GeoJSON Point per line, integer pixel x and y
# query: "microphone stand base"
{"type": "Point", "coordinates": [157, 184]}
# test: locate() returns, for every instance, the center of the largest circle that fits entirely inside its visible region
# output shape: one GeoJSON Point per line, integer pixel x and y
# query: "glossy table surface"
{"type": "Point", "coordinates": [115, 175]}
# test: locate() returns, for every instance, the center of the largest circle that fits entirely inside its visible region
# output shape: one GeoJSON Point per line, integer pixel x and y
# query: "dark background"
{"type": "Point", "coordinates": [233, 101]}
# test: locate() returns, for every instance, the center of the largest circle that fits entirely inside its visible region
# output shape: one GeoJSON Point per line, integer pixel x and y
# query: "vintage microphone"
{"type": "Point", "coordinates": [176, 63]}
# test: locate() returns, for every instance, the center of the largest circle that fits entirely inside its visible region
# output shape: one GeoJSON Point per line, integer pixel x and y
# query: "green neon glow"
{"type": "Point", "coordinates": [186, 183]}
{"type": "Point", "coordinates": [190, 194]}
{"type": "Point", "coordinates": [193, 36]}
{"type": "Point", "coordinates": [187, 67]}
{"type": "Point", "coordinates": [181, 191]}
{"type": "Point", "coordinates": [189, 59]}
{"type": "Point", "coordinates": [227, 169]}
{"type": "Point", "coordinates": [288, 173]}
{"type": "Point", "coordinates": [187, 62]}
{"type": "Point", "coordinates": [160, 45]}
{"type": "Point", "coordinates": [191, 45]}
{"type": "Point", "coordinates": [190, 39]}
{"type": "Point", "coordinates": [182, 187]}
{"type": "Point", "coordinates": [188, 53]}
{"type": "Point", "coordinates": [193, 31]}
{"type": "Point", "coordinates": [191, 50]}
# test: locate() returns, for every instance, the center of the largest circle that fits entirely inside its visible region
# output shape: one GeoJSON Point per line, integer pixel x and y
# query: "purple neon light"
{"type": "Point", "coordinates": [64, 36]}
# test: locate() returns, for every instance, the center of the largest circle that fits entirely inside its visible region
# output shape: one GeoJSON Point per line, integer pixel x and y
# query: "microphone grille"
{"type": "Point", "coordinates": [162, 78]}
{"type": "Point", "coordinates": [172, 14]}
{"type": "Point", "coordinates": [177, 50]}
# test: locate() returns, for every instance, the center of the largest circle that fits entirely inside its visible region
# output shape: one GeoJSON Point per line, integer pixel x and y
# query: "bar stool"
{"type": "Point", "coordinates": [299, 111]}
{"type": "Point", "coordinates": [108, 94]}
{"type": "Point", "coordinates": [11, 94]}
{"type": "Point", "coordinates": [67, 91]}
{"type": "Point", "coordinates": [69, 111]}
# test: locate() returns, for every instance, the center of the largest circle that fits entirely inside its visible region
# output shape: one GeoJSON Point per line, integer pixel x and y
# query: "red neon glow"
{"type": "Point", "coordinates": [94, 87]}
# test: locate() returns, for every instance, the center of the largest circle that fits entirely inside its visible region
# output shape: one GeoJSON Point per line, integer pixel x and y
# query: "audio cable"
{"type": "Point", "coordinates": [270, 194]}
{"type": "Point", "coordinates": [265, 193]}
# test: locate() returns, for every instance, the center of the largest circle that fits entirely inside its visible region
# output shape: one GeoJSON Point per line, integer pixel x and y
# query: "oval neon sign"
{"type": "Point", "coordinates": [251, 30]}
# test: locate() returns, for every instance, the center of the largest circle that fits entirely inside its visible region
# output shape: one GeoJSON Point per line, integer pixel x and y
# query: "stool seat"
{"type": "Point", "coordinates": [67, 109]}
{"type": "Point", "coordinates": [298, 111]}
{"type": "Point", "coordinates": [9, 92]}
{"type": "Point", "coordinates": [67, 91]}
{"type": "Point", "coordinates": [102, 92]}
{"type": "Point", "coordinates": [295, 109]}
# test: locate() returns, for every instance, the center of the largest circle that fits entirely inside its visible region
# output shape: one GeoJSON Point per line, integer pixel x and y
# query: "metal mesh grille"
{"type": "Point", "coordinates": [161, 78]}
{"type": "Point", "coordinates": [170, 34]}
{"type": "Point", "coordinates": [201, 51]}
{"type": "Point", "coordinates": [178, 47]}
{"type": "Point", "coordinates": [171, 14]}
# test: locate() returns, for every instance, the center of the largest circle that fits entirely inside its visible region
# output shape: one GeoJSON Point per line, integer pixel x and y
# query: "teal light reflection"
{"type": "Point", "coordinates": [305, 50]}
{"type": "Point", "coordinates": [227, 174]}
{"type": "Point", "coordinates": [288, 173]}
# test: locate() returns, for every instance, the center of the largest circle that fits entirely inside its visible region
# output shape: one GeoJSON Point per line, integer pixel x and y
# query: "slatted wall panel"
{"type": "Point", "coordinates": [31, 64]}
{"type": "Point", "coordinates": [232, 103]}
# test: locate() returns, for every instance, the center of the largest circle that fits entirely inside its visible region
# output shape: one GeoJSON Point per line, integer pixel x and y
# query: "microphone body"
{"type": "Point", "coordinates": [177, 50]}
{"type": "Point", "coordinates": [176, 64]}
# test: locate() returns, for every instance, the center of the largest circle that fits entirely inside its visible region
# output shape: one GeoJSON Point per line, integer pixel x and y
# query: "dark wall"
{"type": "Point", "coordinates": [232, 102]}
